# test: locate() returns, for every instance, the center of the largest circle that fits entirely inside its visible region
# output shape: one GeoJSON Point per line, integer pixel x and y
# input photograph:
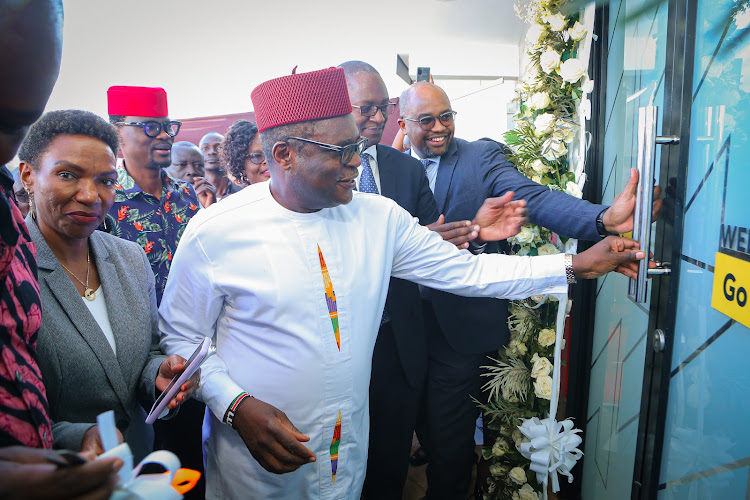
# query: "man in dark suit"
{"type": "Point", "coordinates": [399, 360]}
{"type": "Point", "coordinates": [461, 332]}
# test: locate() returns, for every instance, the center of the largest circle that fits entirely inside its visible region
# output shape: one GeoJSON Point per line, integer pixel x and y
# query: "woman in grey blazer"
{"type": "Point", "coordinates": [98, 345]}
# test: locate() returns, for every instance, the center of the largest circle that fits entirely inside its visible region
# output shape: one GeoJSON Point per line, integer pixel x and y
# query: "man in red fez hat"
{"type": "Point", "coordinates": [153, 209]}
{"type": "Point", "coordinates": [150, 208]}
{"type": "Point", "coordinates": [30, 50]}
{"type": "Point", "coordinates": [295, 324]}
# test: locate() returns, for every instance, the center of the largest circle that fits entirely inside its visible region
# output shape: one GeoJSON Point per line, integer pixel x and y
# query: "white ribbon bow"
{"type": "Point", "coordinates": [552, 449]}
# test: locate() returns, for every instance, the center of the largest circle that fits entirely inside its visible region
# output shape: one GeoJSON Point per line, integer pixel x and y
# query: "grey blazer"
{"type": "Point", "coordinates": [81, 373]}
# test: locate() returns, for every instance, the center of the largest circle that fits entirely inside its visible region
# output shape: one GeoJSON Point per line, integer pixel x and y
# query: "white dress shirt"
{"type": "Point", "coordinates": [260, 293]}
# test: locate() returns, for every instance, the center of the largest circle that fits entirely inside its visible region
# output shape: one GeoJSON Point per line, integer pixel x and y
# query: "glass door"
{"type": "Point", "coordinates": [705, 444]}
{"type": "Point", "coordinates": [637, 70]}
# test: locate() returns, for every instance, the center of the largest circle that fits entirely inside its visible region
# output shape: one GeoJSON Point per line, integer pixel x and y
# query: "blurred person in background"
{"type": "Point", "coordinates": [242, 153]}
{"type": "Point", "coordinates": [216, 173]}
{"type": "Point", "coordinates": [187, 165]}
{"type": "Point", "coordinates": [22, 196]}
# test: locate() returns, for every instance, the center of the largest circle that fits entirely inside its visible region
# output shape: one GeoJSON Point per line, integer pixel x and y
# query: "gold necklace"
{"type": "Point", "coordinates": [88, 293]}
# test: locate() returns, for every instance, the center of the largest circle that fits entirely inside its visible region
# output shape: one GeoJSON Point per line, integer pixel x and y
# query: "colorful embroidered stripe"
{"type": "Point", "coordinates": [330, 298]}
{"type": "Point", "coordinates": [335, 449]}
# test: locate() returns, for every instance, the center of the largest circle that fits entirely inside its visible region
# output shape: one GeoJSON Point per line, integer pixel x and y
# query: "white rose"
{"type": "Point", "coordinates": [535, 33]}
{"type": "Point", "coordinates": [547, 249]}
{"type": "Point", "coordinates": [549, 60]}
{"type": "Point", "coordinates": [523, 252]}
{"type": "Point", "coordinates": [500, 447]}
{"type": "Point", "coordinates": [540, 167]}
{"type": "Point", "coordinates": [577, 32]}
{"type": "Point", "coordinates": [536, 179]}
{"type": "Point", "coordinates": [572, 70]}
{"type": "Point", "coordinates": [546, 337]}
{"type": "Point", "coordinates": [525, 236]}
{"type": "Point", "coordinates": [540, 100]}
{"type": "Point", "coordinates": [543, 387]}
{"type": "Point", "coordinates": [527, 493]}
{"type": "Point", "coordinates": [553, 149]}
{"type": "Point", "coordinates": [544, 123]}
{"type": "Point", "coordinates": [542, 367]}
{"type": "Point", "coordinates": [557, 22]}
{"type": "Point", "coordinates": [564, 131]}
{"type": "Point", "coordinates": [517, 438]}
{"type": "Point", "coordinates": [588, 87]}
{"type": "Point", "coordinates": [517, 475]}
{"type": "Point", "coordinates": [498, 470]}
{"type": "Point", "coordinates": [572, 189]}
{"type": "Point", "coordinates": [518, 347]}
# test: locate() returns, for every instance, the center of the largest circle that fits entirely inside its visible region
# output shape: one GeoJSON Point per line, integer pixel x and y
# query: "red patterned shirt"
{"type": "Point", "coordinates": [24, 412]}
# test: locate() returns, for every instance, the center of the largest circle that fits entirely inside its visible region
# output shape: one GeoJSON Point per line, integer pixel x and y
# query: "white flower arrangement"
{"type": "Point", "coordinates": [551, 93]}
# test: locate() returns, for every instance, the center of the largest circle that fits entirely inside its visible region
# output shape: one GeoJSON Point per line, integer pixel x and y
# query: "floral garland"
{"type": "Point", "coordinates": [551, 96]}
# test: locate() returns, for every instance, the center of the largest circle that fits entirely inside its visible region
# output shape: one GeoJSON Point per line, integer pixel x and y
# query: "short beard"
{"type": "Point", "coordinates": [159, 165]}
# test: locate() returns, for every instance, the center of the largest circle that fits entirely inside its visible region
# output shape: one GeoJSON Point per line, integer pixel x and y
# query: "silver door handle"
{"type": "Point", "coordinates": [645, 164]}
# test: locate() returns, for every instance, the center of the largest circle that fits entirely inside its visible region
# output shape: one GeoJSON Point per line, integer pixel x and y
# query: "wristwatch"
{"type": "Point", "coordinates": [569, 269]}
{"type": "Point", "coordinates": [600, 225]}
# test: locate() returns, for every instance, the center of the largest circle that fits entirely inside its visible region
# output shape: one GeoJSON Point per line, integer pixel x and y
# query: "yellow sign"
{"type": "Point", "coordinates": [731, 288]}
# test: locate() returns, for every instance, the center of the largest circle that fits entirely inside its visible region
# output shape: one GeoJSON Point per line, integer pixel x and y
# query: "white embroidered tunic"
{"type": "Point", "coordinates": [294, 301]}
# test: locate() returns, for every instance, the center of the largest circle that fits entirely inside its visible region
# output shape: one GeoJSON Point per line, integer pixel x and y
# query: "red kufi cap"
{"type": "Point", "coordinates": [137, 101]}
{"type": "Point", "coordinates": [299, 98]}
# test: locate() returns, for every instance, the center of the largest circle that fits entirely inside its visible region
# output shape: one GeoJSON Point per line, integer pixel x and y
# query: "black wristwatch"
{"type": "Point", "coordinates": [600, 225]}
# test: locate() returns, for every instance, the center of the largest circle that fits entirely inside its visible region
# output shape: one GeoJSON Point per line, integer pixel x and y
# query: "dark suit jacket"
{"type": "Point", "coordinates": [81, 373]}
{"type": "Point", "coordinates": [403, 180]}
{"type": "Point", "coordinates": [470, 172]}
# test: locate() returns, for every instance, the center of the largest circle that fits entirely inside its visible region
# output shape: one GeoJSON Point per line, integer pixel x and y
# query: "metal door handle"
{"type": "Point", "coordinates": [645, 164]}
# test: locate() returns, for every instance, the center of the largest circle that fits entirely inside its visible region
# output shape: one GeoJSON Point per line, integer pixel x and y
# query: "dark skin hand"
{"type": "Point", "coordinates": [25, 473]}
{"type": "Point", "coordinates": [205, 190]}
{"type": "Point", "coordinates": [168, 369]}
{"type": "Point", "coordinates": [460, 233]}
{"type": "Point", "coordinates": [91, 444]}
{"type": "Point", "coordinates": [270, 437]}
{"type": "Point", "coordinates": [500, 218]}
{"type": "Point", "coordinates": [613, 253]}
{"type": "Point", "coordinates": [619, 217]}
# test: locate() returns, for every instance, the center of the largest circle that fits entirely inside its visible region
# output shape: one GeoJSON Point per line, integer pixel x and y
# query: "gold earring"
{"type": "Point", "coordinates": [31, 207]}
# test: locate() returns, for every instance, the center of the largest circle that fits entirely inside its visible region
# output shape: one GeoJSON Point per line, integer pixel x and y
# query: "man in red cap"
{"type": "Point", "coordinates": [153, 209]}
{"type": "Point", "coordinates": [150, 207]}
{"type": "Point", "coordinates": [295, 324]}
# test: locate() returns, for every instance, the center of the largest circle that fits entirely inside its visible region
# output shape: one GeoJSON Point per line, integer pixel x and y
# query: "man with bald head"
{"type": "Point", "coordinates": [216, 174]}
{"type": "Point", "coordinates": [399, 363]}
{"type": "Point", "coordinates": [187, 165]}
{"type": "Point", "coordinates": [30, 51]}
{"type": "Point", "coordinates": [462, 331]}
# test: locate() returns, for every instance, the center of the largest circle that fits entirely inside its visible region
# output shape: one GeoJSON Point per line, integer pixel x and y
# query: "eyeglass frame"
{"type": "Point", "coordinates": [361, 145]}
{"type": "Point", "coordinates": [160, 124]}
{"type": "Point", "coordinates": [433, 119]}
{"type": "Point", "coordinates": [383, 108]}
{"type": "Point", "coordinates": [250, 156]}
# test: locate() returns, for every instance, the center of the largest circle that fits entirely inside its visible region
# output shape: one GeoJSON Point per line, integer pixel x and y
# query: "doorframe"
{"type": "Point", "coordinates": [676, 114]}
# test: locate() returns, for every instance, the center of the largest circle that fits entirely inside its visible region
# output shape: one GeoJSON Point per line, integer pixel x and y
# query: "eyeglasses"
{"type": "Point", "coordinates": [347, 152]}
{"type": "Point", "coordinates": [256, 158]}
{"type": "Point", "coordinates": [427, 122]}
{"type": "Point", "coordinates": [370, 110]}
{"type": "Point", "coordinates": [154, 128]}
{"type": "Point", "coordinates": [22, 195]}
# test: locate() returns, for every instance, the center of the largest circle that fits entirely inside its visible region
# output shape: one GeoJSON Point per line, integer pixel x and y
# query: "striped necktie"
{"type": "Point", "coordinates": [426, 164]}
